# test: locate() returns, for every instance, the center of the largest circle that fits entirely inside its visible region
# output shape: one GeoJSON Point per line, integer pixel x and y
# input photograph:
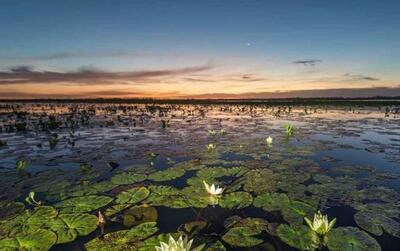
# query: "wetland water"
{"type": "Point", "coordinates": [143, 167]}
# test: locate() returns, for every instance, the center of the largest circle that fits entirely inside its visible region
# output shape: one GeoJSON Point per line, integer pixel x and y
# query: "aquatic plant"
{"type": "Point", "coordinates": [289, 129]}
{"type": "Point", "coordinates": [53, 142]}
{"type": "Point", "coordinates": [244, 232]}
{"type": "Point", "coordinates": [181, 244]}
{"type": "Point", "coordinates": [101, 221]}
{"type": "Point", "coordinates": [212, 189]}
{"type": "Point", "coordinates": [21, 165]}
{"type": "Point", "coordinates": [85, 167]}
{"type": "Point", "coordinates": [269, 140]}
{"type": "Point", "coordinates": [212, 132]}
{"type": "Point", "coordinates": [320, 224]}
{"type": "Point", "coordinates": [211, 147]}
{"type": "Point", "coordinates": [30, 199]}
{"type": "Point", "coordinates": [129, 239]}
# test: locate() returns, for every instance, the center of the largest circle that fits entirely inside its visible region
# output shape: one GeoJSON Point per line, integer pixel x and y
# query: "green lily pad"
{"type": "Point", "coordinates": [95, 188]}
{"type": "Point", "coordinates": [236, 200]}
{"type": "Point", "coordinates": [133, 195]}
{"type": "Point", "coordinates": [127, 178]}
{"type": "Point", "coordinates": [166, 196]}
{"type": "Point", "coordinates": [168, 174]}
{"type": "Point", "coordinates": [115, 209]}
{"type": "Point", "coordinates": [376, 223]}
{"type": "Point", "coordinates": [300, 237]}
{"type": "Point", "coordinates": [124, 239]}
{"type": "Point", "coordinates": [350, 239]}
{"type": "Point", "coordinates": [39, 218]}
{"type": "Point", "coordinates": [194, 227]}
{"type": "Point", "coordinates": [139, 214]}
{"type": "Point", "coordinates": [295, 212]}
{"type": "Point", "coordinates": [216, 246]}
{"type": "Point", "coordinates": [41, 240]}
{"type": "Point", "coordinates": [242, 237]}
{"type": "Point", "coordinates": [272, 201]}
{"type": "Point", "coordinates": [82, 204]}
{"type": "Point", "coordinates": [259, 181]}
{"type": "Point", "coordinates": [69, 226]}
{"type": "Point", "coordinates": [258, 224]}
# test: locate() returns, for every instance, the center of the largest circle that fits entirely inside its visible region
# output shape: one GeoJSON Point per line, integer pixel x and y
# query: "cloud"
{"type": "Point", "coordinates": [89, 76]}
{"type": "Point", "coordinates": [93, 94]}
{"type": "Point", "coordinates": [307, 62]}
{"type": "Point", "coordinates": [324, 93]}
{"type": "Point", "coordinates": [21, 69]}
{"type": "Point", "coordinates": [240, 78]}
{"type": "Point", "coordinates": [71, 55]}
{"type": "Point", "coordinates": [359, 77]}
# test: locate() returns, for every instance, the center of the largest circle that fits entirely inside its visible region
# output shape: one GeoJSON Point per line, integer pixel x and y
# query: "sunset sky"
{"type": "Point", "coordinates": [199, 49]}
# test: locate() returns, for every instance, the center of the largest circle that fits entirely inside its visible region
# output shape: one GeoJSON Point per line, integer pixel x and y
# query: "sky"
{"type": "Point", "coordinates": [199, 49]}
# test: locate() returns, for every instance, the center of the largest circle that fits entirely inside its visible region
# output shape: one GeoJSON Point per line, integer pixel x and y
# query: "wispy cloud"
{"type": "Point", "coordinates": [85, 76]}
{"type": "Point", "coordinates": [238, 78]}
{"type": "Point", "coordinates": [13, 94]}
{"type": "Point", "coordinates": [308, 62]}
{"type": "Point", "coordinates": [353, 77]}
{"type": "Point", "coordinates": [324, 93]}
{"type": "Point", "coordinates": [71, 55]}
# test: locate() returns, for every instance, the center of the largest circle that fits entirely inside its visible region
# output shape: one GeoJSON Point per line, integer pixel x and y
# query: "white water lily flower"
{"type": "Point", "coordinates": [182, 244]}
{"type": "Point", "coordinates": [213, 189]}
{"type": "Point", "coordinates": [269, 140]}
{"type": "Point", "coordinates": [211, 147]}
{"type": "Point", "coordinates": [320, 223]}
{"type": "Point", "coordinates": [212, 132]}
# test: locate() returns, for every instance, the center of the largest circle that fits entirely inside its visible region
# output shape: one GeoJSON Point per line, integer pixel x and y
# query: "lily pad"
{"type": "Point", "coordinates": [300, 237]}
{"type": "Point", "coordinates": [99, 187]}
{"type": "Point", "coordinates": [376, 223]}
{"type": "Point", "coordinates": [272, 201]}
{"type": "Point", "coordinates": [81, 204]}
{"type": "Point", "coordinates": [350, 239]}
{"type": "Point", "coordinates": [41, 240]}
{"type": "Point", "coordinates": [242, 237]}
{"type": "Point", "coordinates": [115, 209]}
{"type": "Point", "coordinates": [236, 200]}
{"type": "Point", "coordinates": [259, 181]}
{"type": "Point", "coordinates": [127, 178]}
{"type": "Point", "coordinates": [123, 239]}
{"type": "Point", "coordinates": [194, 227]}
{"type": "Point", "coordinates": [132, 196]}
{"type": "Point", "coordinates": [168, 174]}
{"type": "Point", "coordinates": [216, 246]}
{"type": "Point", "coordinates": [295, 212]}
{"type": "Point", "coordinates": [69, 226]}
{"type": "Point", "coordinates": [139, 214]}
{"type": "Point", "coordinates": [166, 196]}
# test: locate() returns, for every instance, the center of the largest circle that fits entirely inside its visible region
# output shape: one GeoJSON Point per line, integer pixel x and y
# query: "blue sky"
{"type": "Point", "coordinates": [260, 39]}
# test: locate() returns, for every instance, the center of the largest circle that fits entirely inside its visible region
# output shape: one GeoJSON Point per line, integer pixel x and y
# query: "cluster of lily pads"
{"type": "Point", "coordinates": [132, 198]}
{"type": "Point", "coordinates": [291, 196]}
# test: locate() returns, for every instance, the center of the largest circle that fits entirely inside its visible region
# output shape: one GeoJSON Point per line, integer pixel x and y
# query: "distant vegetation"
{"type": "Point", "coordinates": [371, 101]}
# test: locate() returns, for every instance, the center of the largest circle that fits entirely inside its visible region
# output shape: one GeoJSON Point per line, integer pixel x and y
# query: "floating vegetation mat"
{"type": "Point", "coordinates": [198, 177]}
